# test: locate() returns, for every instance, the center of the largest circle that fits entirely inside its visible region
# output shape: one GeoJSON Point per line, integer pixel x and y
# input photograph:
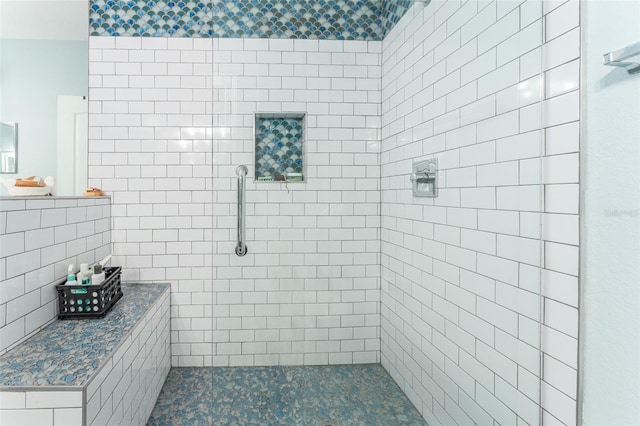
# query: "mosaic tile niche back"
{"type": "Point", "coordinates": [279, 147]}
{"type": "Point", "coordinates": [299, 19]}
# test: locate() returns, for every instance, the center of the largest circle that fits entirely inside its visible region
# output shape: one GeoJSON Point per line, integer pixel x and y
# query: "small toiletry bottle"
{"type": "Point", "coordinates": [71, 277]}
{"type": "Point", "coordinates": [84, 274]}
{"type": "Point", "coordinates": [81, 272]}
{"type": "Point", "coordinates": [98, 276]}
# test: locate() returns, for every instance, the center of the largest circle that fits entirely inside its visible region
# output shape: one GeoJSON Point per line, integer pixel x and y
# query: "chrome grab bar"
{"type": "Point", "coordinates": [241, 172]}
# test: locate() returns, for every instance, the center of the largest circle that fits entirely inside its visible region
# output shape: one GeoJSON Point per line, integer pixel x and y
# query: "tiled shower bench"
{"type": "Point", "coordinates": [106, 371]}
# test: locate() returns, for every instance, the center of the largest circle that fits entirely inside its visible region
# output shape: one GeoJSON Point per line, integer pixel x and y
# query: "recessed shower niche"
{"type": "Point", "coordinates": [279, 146]}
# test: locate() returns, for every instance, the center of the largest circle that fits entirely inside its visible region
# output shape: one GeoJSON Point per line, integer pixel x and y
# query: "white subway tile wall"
{"type": "Point", "coordinates": [168, 129]}
{"type": "Point", "coordinates": [126, 389]}
{"type": "Point", "coordinates": [560, 231]}
{"type": "Point", "coordinates": [462, 274]}
{"type": "Point", "coordinates": [51, 408]}
{"type": "Point", "coordinates": [39, 238]}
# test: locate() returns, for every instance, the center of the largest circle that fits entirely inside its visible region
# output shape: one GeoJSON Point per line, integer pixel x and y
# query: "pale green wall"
{"type": "Point", "coordinates": [610, 304]}
{"type": "Point", "coordinates": [33, 73]}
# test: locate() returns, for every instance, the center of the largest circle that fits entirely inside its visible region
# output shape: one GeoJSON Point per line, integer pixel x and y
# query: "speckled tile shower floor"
{"type": "Point", "coordinates": [295, 395]}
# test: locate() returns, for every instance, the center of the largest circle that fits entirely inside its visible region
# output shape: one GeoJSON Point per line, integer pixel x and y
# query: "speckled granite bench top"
{"type": "Point", "coordinates": [70, 352]}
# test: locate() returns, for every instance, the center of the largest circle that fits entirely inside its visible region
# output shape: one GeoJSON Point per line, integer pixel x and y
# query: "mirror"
{"type": "Point", "coordinates": [43, 88]}
{"type": "Point", "coordinates": [8, 147]}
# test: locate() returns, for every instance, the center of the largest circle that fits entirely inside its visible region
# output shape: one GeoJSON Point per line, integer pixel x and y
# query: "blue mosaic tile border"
{"type": "Point", "coordinates": [392, 12]}
{"type": "Point", "coordinates": [300, 19]}
{"type": "Point", "coordinates": [278, 146]}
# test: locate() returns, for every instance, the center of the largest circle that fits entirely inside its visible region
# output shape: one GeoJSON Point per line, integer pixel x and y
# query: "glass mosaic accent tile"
{"type": "Point", "coordinates": [279, 141]}
{"type": "Point", "coordinates": [69, 352]}
{"type": "Point", "coordinates": [392, 11]}
{"type": "Point", "coordinates": [150, 18]}
{"type": "Point", "coordinates": [284, 395]}
{"type": "Point", "coordinates": [300, 19]}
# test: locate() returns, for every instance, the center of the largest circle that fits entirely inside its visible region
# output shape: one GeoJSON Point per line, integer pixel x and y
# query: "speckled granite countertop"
{"type": "Point", "coordinates": [70, 352]}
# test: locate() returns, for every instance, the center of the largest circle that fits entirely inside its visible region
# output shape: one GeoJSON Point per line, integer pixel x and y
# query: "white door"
{"type": "Point", "coordinates": [72, 143]}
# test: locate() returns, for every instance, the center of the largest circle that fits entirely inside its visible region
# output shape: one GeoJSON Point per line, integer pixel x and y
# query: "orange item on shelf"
{"type": "Point", "coordinates": [93, 192]}
{"type": "Point", "coordinates": [31, 181]}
